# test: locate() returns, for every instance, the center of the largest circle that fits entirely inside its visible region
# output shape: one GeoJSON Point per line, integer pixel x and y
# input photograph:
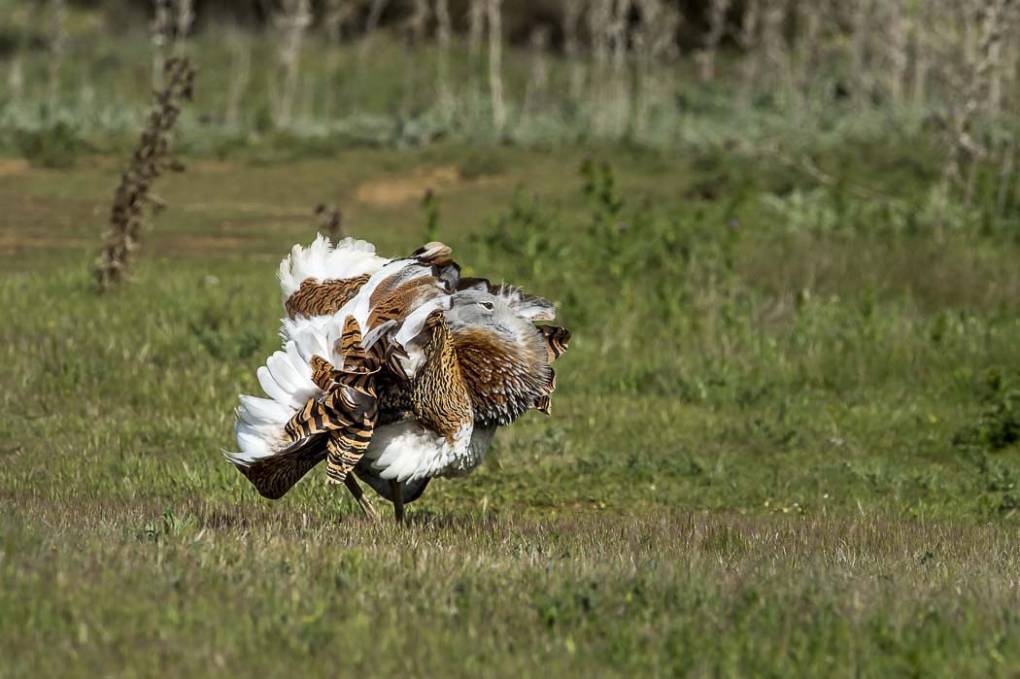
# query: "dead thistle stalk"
{"type": "Point", "coordinates": [152, 157]}
{"type": "Point", "coordinates": [964, 148]}
{"type": "Point", "coordinates": [58, 46]}
{"type": "Point", "coordinates": [293, 23]}
{"type": "Point", "coordinates": [717, 10]}
{"type": "Point", "coordinates": [494, 15]}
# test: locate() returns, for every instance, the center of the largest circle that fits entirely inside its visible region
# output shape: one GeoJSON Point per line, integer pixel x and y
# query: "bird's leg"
{"type": "Point", "coordinates": [397, 489]}
{"type": "Point", "coordinates": [360, 497]}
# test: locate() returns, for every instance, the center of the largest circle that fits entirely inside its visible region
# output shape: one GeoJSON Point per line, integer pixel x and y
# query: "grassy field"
{"type": "Point", "coordinates": [784, 440]}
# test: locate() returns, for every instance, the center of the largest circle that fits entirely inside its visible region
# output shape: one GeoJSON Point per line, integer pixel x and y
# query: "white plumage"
{"type": "Point", "coordinates": [349, 259]}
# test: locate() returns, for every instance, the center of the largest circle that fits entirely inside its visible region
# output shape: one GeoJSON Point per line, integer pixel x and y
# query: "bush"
{"type": "Point", "coordinates": [55, 146]}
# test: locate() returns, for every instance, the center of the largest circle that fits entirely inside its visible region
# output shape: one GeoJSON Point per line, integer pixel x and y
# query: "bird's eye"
{"type": "Point", "coordinates": [488, 305]}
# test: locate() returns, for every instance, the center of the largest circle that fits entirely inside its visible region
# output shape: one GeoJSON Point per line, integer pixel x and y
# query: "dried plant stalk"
{"type": "Point", "coordinates": [807, 52]}
{"type": "Point", "coordinates": [444, 31]}
{"type": "Point", "coordinates": [152, 157]}
{"type": "Point", "coordinates": [16, 72]}
{"type": "Point", "coordinates": [620, 85]}
{"type": "Point", "coordinates": [964, 148]}
{"type": "Point", "coordinates": [538, 77]}
{"type": "Point", "coordinates": [375, 12]}
{"type": "Point", "coordinates": [773, 43]}
{"type": "Point", "coordinates": [494, 15]}
{"type": "Point", "coordinates": [656, 50]}
{"type": "Point", "coordinates": [716, 27]}
{"type": "Point", "coordinates": [293, 23]}
{"type": "Point", "coordinates": [416, 28]}
{"type": "Point", "coordinates": [749, 37]}
{"type": "Point", "coordinates": [58, 45]}
{"type": "Point", "coordinates": [600, 20]}
{"type": "Point", "coordinates": [1007, 169]}
{"type": "Point", "coordinates": [162, 35]}
{"type": "Point", "coordinates": [896, 57]}
{"type": "Point", "coordinates": [476, 31]}
{"type": "Point", "coordinates": [16, 77]}
{"type": "Point", "coordinates": [572, 10]}
{"type": "Point", "coordinates": [339, 14]}
{"type": "Point", "coordinates": [239, 46]}
{"type": "Point", "coordinates": [184, 17]}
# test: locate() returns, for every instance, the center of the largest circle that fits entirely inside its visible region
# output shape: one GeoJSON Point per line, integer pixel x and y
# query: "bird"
{"type": "Point", "coordinates": [394, 371]}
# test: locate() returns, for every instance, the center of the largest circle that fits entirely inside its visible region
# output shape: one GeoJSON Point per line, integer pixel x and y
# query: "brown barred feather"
{"type": "Point", "coordinates": [316, 298]}
{"type": "Point", "coordinates": [356, 359]}
{"type": "Point", "coordinates": [556, 339]}
{"type": "Point", "coordinates": [354, 401]}
{"type": "Point", "coordinates": [439, 396]}
{"type": "Point", "coordinates": [395, 303]}
{"type": "Point", "coordinates": [322, 372]}
{"type": "Point", "coordinates": [345, 448]}
{"type": "Point", "coordinates": [503, 378]}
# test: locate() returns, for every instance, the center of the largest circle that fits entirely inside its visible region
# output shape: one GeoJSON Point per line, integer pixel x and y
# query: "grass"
{"type": "Point", "coordinates": [781, 445]}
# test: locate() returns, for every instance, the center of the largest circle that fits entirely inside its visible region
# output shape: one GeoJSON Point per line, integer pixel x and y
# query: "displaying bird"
{"type": "Point", "coordinates": [394, 371]}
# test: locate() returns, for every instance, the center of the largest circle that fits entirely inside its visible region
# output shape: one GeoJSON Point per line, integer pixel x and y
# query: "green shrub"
{"type": "Point", "coordinates": [56, 146]}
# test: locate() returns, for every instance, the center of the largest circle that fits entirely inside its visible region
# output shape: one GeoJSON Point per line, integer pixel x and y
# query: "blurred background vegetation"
{"type": "Point", "coordinates": [762, 81]}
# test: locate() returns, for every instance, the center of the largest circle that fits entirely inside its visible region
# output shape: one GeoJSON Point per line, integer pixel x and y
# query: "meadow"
{"type": "Point", "coordinates": [784, 440]}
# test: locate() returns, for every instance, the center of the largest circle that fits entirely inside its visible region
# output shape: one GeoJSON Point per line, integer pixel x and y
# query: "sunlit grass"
{"type": "Point", "coordinates": [773, 450]}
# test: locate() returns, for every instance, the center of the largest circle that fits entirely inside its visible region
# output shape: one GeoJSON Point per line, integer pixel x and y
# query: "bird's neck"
{"type": "Point", "coordinates": [503, 379]}
{"type": "Point", "coordinates": [439, 395]}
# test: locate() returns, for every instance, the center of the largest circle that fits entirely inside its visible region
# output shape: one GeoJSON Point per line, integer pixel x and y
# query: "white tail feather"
{"type": "Point", "coordinates": [349, 259]}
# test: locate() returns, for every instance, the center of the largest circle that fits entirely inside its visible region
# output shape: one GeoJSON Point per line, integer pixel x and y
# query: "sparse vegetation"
{"type": "Point", "coordinates": [785, 439]}
{"type": "Point", "coordinates": [773, 449]}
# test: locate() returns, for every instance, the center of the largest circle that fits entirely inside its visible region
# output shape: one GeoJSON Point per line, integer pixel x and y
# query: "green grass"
{"type": "Point", "coordinates": [781, 444]}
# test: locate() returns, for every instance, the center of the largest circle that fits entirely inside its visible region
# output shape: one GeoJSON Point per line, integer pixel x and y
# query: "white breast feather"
{"type": "Point", "coordinates": [404, 451]}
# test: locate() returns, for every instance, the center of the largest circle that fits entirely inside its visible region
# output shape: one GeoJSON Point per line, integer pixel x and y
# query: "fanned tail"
{"type": "Point", "coordinates": [351, 258]}
{"type": "Point", "coordinates": [274, 476]}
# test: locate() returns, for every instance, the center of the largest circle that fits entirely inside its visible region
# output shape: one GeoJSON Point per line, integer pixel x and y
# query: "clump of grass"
{"type": "Point", "coordinates": [752, 442]}
{"type": "Point", "coordinates": [480, 164]}
{"type": "Point", "coordinates": [54, 146]}
{"type": "Point", "coordinates": [998, 425]}
{"type": "Point", "coordinates": [151, 158]}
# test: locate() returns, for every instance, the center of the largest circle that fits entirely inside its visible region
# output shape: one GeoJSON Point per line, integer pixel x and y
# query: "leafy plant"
{"type": "Point", "coordinates": [55, 146]}
{"type": "Point", "coordinates": [998, 425]}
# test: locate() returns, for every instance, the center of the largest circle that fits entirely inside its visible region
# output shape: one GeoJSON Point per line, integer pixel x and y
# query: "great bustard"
{"type": "Point", "coordinates": [396, 370]}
